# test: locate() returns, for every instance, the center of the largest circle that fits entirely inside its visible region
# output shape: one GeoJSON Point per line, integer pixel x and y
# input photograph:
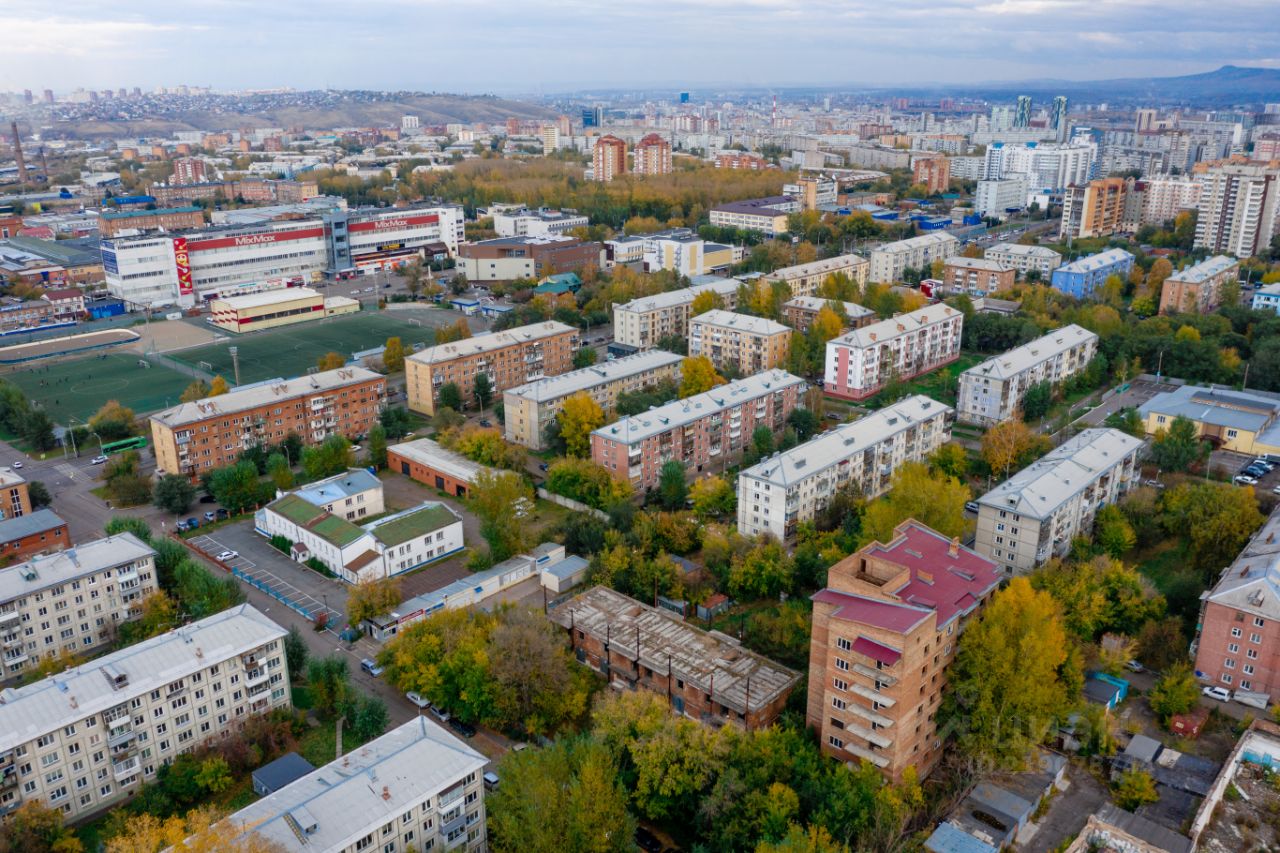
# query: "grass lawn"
{"type": "Point", "coordinates": [941, 384]}
{"type": "Point", "coordinates": [1163, 562]}
{"type": "Point", "coordinates": [319, 746]}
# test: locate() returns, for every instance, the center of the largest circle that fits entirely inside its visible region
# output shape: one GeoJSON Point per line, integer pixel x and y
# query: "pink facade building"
{"type": "Point", "coordinates": [1237, 644]}
{"type": "Point", "coordinates": [860, 362]}
{"type": "Point", "coordinates": [706, 432]}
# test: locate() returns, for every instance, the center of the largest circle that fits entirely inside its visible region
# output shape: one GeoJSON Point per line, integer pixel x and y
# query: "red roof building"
{"type": "Point", "coordinates": [884, 631]}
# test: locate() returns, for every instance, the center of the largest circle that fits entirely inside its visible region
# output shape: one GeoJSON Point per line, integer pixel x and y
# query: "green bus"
{"type": "Point", "coordinates": [137, 442]}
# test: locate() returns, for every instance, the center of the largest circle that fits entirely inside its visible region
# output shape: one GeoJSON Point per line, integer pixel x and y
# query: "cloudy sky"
{"type": "Point", "coordinates": [541, 46]}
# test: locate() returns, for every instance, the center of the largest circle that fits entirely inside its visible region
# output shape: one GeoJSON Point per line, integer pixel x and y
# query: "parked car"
{"type": "Point", "coordinates": [227, 556]}
{"type": "Point", "coordinates": [439, 713]}
{"type": "Point", "coordinates": [1265, 463]}
{"type": "Point", "coordinates": [17, 464]}
{"type": "Point", "coordinates": [971, 506]}
{"type": "Point", "coordinates": [1276, 490]}
{"type": "Point", "coordinates": [208, 499]}
{"type": "Point", "coordinates": [1222, 694]}
{"type": "Point", "coordinates": [371, 667]}
{"type": "Point", "coordinates": [193, 523]}
{"type": "Point", "coordinates": [210, 515]}
{"type": "Point", "coordinates": [1155, 484]}
{"type": "Point", "coordinates": [490, 780]}
{"type": "Point", "coordinates": [98, 460]}
{"type": "Point", "coordinates": [1244, 480]}
{"type": "Point", "coordinates": [1255, 470]}
{"type": "Point", "coordinates": [542, 466]}
{"type": "Point", "coordinates": [464, 729]}
{"type": "Point", "coordinates": [222, 514]}
{"type": "Point", "coordinates": [417, 700]}
{"type": "Point", "coordinates": [1134, 666]}
{"type": "Point", "coordinates": [647, 841]}
{"type": "Point", "coordinates": [484, 422]}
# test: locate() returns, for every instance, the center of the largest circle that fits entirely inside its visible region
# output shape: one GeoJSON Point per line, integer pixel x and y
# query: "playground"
{"type": "Point", "coordinates": [77, 387]}
{"type": "Point", "coordinates": [293, 350]}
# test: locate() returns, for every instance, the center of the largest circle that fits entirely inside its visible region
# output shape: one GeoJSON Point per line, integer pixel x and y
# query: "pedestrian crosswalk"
{"type": "Point", "coordinates": [66, 470]}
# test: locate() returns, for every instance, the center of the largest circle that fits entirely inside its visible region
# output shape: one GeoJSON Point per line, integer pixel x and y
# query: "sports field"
{"type": "Point", "coordinates": [291, 350]}
{"type": "Point", "coordinates": [78, 387]}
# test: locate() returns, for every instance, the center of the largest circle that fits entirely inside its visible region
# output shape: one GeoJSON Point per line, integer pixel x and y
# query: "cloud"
{"type": "Point", "coordinates": [55, 37]}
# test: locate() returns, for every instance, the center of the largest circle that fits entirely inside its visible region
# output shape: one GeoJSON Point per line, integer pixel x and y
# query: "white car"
{"type": "Point", "coordinates": [227, 555]}
{"type": "Point", "coordinates": [1276, 490]}
{"type": "Point", "coordinates": [1222, 694]}
{"type": "Point", "coordinates": [417, 700]}
{"type": "Point", "coordinates": [17, 465]}
{"type": "Point", "coordinates": [101, 460]}
{"type": "Point", "coordinates": [1244, 480]}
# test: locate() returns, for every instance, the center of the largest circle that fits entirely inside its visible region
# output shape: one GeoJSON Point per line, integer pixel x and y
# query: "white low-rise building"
{"type": "Point", "coordinates": [87, 738]}
{"type": "Point", "coordinates": [1024, 258]}
{"type": "Point", "coordinates": [73, 601]}
{"type": "Point", "coordinates": [353, 494]}
{"type": "Point", "coordinates": [993, 391]}
{"type": "Point", "coordinates": [1036, 513]}
{"type": "Point", "coordinates": [791, 487]}
{"type": "Point", "coordinates": [417, 787]}
{"type": "Point", "coordinates": [536, 223]}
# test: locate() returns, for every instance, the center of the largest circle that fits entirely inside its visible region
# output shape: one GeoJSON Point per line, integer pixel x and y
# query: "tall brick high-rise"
{"type": "Point", "coordinates": [652, 156]}
{"type": "Point", "coordinates": [608, 158]}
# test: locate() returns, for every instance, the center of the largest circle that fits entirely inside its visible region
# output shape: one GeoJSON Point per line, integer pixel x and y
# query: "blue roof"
{"type": "Point", "coordinates": [949, 838]}
{"type": "Point", "coordinates": [343, 485]}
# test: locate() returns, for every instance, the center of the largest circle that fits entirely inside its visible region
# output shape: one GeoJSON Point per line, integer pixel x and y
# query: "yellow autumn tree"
{"type": "Point", "coordinates": [393, 355]}
{"type": "Point", "coordinates": [705, 301]}
{"type": "Point", "coordinates": [331, 361]}
{"type": "Point", "coordinates": [826, 325]}
{"type": "Point", "coordinates": [1009, 442]}
{"type": "Point", "coordinates": [197, 390]}
{"type": "Point", "coordinates": [199, 831]}
{"type": "Point", "coordinates": [698, 374]}
{"type": "Point", "coordinates": [579, 416]}
{"type": "Point", "coordinates": [932, 498]}
{"type": "Point", "coordinates": [218, 386]}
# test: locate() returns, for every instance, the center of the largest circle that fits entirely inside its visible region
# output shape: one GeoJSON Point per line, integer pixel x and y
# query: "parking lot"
{"type": "Point", "coordinates": [1139, 391]}
{"type": "Point", "coordinates": [1232, 464]}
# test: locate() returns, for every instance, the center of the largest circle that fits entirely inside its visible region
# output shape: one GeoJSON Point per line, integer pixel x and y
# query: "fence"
{"type": "Point", "coordinates": [267, 589]}
{"type": "Point", "coordinates": [180, 366]}
{"type": "Point", "coordinates": [569, 503]}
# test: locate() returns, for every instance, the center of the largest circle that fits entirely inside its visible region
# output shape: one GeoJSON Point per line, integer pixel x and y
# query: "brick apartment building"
{"type": "Point", "coordinates": [652, 156]}
{"type": "Point", "coordinates": [510, 258]}
{"type": "Point", "coordinates": [806, 279]}
{"type": "Point", "coordinates": [741, 160]}
{"type": "Point", "coordinates": [978, 276]}
{"type": "Point", "coordinates": [885, 630]}
{"type": "Point", "coordinates": [1238, 642]}
{"type": "Point", "coordinates": [210, 433]}
{"type": "Point", "coordinates": [168, 218]}
{"type": "Point", "coordinates": [704, 676]}
{"type": "Point", "coordinates": [35, 533]}
{"type": "Point", "coordinates": [510, 358]}
{"type": "Point", "coordinates": [705, 432]}
{"type": "Point", "coordinates": [15, 495]}
{"type": "Point", "coordinates": [742, 342]}
{"type": "Point", "coordinates": [800, 312]}
{"type": "Point", "coordinates": [860, 362]}
{"type": "Point", "coordinates": [1198, 289]}
{"type": "Point", "coordinates": [934, 172]}
{"type": "Point", "coordinates": [642, 322]}
{"type": "Point", "coordinates": [608, 158]}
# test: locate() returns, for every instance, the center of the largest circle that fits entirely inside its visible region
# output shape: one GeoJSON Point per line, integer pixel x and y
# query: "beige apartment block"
{"type": "Point", "coordinates": [806, 279]}
{"type": "Point", "coordinates": [642, 322]}
{"type": "Point", "coordinates": [993, 391]}
{"type": "Point", "coordinates": [741, 342]}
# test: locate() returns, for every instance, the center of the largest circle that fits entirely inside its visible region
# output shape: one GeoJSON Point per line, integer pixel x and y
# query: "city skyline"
{"type": "Point", "coordinates": [557, 46]}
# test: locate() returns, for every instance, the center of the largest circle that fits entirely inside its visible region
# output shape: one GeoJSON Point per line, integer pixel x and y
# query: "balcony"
{"type": "Point", "coordinates": [15, 659]}
{"type": "Point", "coordinates": [450, 796]}
{"type": "Point", "coordinates": [861, 752]}
{"type": "Point", "coordinates": [120, 735]}
{"type": "Point", "coordinates": [126, 770]}
{"type": "Point", "coordinates": [262, 688]}
{"type": "Point", "coordinates": [455, 820]}
{"type": "Point", "coordinates": [11, 640]}
{"type": "Point", "coordinates": [256, 676]}
{"type": "Point", "coordinates": [9, 617]}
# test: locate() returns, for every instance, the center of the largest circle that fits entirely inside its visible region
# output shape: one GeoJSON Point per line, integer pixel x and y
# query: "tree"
{"type": "Point", "coordinates": [492, 498]}
{"type": "Point", "coordinates": [813, 839]}
{"type": "Point", "coordinates": [114, 421]}
{"type": "Point", "coordinates": [713, 496]}
{"type": "Point", "coordinates": [1006, 689]}
{"type": "Point", "coordinates": [197, 390]}
{"type": "Point", "coordinates": [198, 831]}
{"type": "Point", "coordinates": [707, 300]}
{"type": "Point", "coordinates": [218, 387]}
{"type": "Point", "coordinates": [585, 357]}
{"type": "Point", "coordinates": [932, 499]}
{"type": "Point", "coordinates": [396, 421]}
{"type": "Point", "coordinates": [332, 456]}
{"type": "Point", "coordinates": [279, 471]}
{"type": "Point", "coordinates": [1010, 443]}
{"type": "Point", "coordinates": [393, 356]}
{"type": "Point", "coordinates": [159, 614]}
{"type": "Point", "coordinates": [1133, 789]}
{"type": "Point", "coordinates": [1176, 692]}
{"type": "Point", "coordinates": [1216, 519]}
{"type": "Point", "coordinates": [39, 494]}
{"type": "Point", "coordinates": [331, 361]}
{"type": "Point", "coordinates": [369, 599]}
{"type": "Point", "coordinates": [1178, 447]}
{"type": "Point", "coordinates": [126, 524]}
{"type": "Point", "coordinates": [698, 374]}
{"type": "Point", "coordinates": [1036, 402]}
{"type": "Point", "coordinates": [761, 445]}
{"type": "Point", "coordinates": [763, 572]}
{"type": "Point", "coordinates": [331, 692]}
{"type": "Point", "coordinates": [458, 331]}
{"type": "Point", "coordinates": [236, 486]}
{"type": "Point", "coordinates": [173, 493]}
{"type": "Point", "coordinates": [672, 489]}
{"type": "Point", "coordinates": [449, 396]}
{"type": "Point", "coordinates": [378, 447]}
{"type": "Point", "coordinates": [1161, 643]}
{"type": "Point", "coordinates": [370, 718]}
{"type": "Point", "coordinates": [578, 418]}
{"type": "Point", "coordinates": [295, 652]}
{"type": "Point", "coordinates": [950, 459]}
{"type": "Point", "coordinates": [1112, 531]}
{"type": "Point", "coordinates": [483, 390]}
{"type": "Point", "coordinates": [585, 481]}
{"type": "Point", "coordinates": [1127, 420]}
{"type": "Point", "coordinates": [37, 828]}
{"type": "Point", "coordinates": [804, 422]}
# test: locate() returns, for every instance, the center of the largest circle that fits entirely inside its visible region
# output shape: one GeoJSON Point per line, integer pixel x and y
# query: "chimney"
{"type": "Point", "coordinates": [386, 792]}
{"type": "Point", "coordinates": [953, 550]}
{"type": "Point", "coordinates": [17, 154]}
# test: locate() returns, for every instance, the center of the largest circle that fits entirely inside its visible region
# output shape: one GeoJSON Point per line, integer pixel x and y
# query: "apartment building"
{"type": "Point", "coordinates": [740, 342]}
{"type": "Point", "coordinates": [999, 197]}
{"type": "Point", "coordinates": [1036, 513]}
{"type": "Point", "coordinates": [417, 787]}
{"type": "Point", "coordinates": [652, 156]}
{"type": "Point", "coordinates": [536, 223]}
{"type": "Point", "coordinates": [1198, 288]}
{"type": "Point", "coordinates": [778, 493]}
{"type": "Point", "coordinates": [679, 250]}
{"type": "Point", "coordinates": [1095, 209]}
{"type": "Point", "coordinates": [1237, 421]}
{"type": "Point", "coordinates": [210, 433]}
{"type": "Point", "coordinates": [15, 498]}
{"type": "Point", "coordinates": [934, 172]}
{"type": "Point", "coordinates": [87, 738]}
{"type": "Point", "coordinates": [1266, 298]}
{"type": "Point", "coordinates": [642, 322]}
{"type": "Point", "coordinates": [741, 160]}
{"type": "Point", "coordinates": [1239, 206]}
{"type": "Point", "coordinates": [705, 432]}
{"type": "Point", "coordinates": [1024, 259]}
{"type": "Point", "coordinates": [528, 409]}
{"type": "Point", "coordinates": [608, 158]}
{"type": "Point", "coordinates": [890, 260]}
{"type": "Point", "coordinates": [1083, 277]}
{"type": "Point", "coordinates": [801, 311]}
{"type": "Point", "coordinates": [705, 675]}
{"type": "Point", "coordinates": [1163, 198]}
{"type": "Point", "coordinates": [71, 601]}
{"type": "Point", "coordinates": [813, 192]}
{"type": "Point", "coordinates": [514, 357]}
{"type": "Point", "coordinates": [35, 533]}
{"type": "Point", "coordinates": [860, 362]}
{"type": "Point", "coordinates": [1238, 630]}
{"type": "Point", "coordinates": [993, 391]}
{"type": "Point", "coordinates": [806, 279]}
{"type": "Point", "coordinates": [766, 215]}
{"type": "Point", "coordinates": [977, 276]}
{"type": "Point", "coordinates": [885, 630]}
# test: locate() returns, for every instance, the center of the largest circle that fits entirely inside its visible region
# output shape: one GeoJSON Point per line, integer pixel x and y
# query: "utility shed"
{"type": "Point", "coordinates": [285, 770]}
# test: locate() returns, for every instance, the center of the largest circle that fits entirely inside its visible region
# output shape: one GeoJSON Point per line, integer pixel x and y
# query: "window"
{"type": "Point", "coordinates": [1229, 663]}
{"type": "Point", "coordinates": [835, 741]}
{"type": "Point", "coordinates": [839, 684]}
{"type": "Point", "coordinates": [1226, 679]}
{"type": "Point", "coordinates": [843, 643]}
{"type": "Point", "coordinates": [838, 703]}
{"type": "Point", "coordinates": [1258, 621]}
{"type": "Point", "coordinates": [1233, 647]}
{"type": "Point", "coordinates": [1236, 632]}
{"type": "Point", "coordinates": [1255, 638]}
{"type": "Point", "coordinates": [842, 664]}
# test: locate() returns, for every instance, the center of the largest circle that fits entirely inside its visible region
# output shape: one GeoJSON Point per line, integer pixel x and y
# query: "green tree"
{"type": "Point", "coordinates": [236, 486]}
{"type": "Point", "coordinates": [1037, 400]}
{"type": "Point", "coordinates": [811, 839]}
{"type": "Point", "coordinates": [393, 356]}
{"type": "Point", "coordinates": [279, 471]}
{"type": "Point", "coordinates": [672, 489]}
{"type": "Point", "coordinates": [173, 493]}
{"type": "Point", "coordinates": [932, 499]}
{"type": "Point", "coordinates": [713, 496]}
{"type": "Point", "coordinates": [370, 718]}
{"type": "Point", "coordinates": [295, 652]}
{"type": "Point", "coordinates": [950, 460]}
{"type": "Point", "coordinates": [330, 457]}
{"type": "Point", "coordinates": [331, 692]}
{"type": "Point", "coordinates": [1006, 689]}
{"type": "Point", "coordinates": [585, 357]}
{"type": "Point", "coordinates": [1112, 531]}
{"type": "Point", "coordinates": [396, 421]}
{"type": "Point", "coordinates": [126, 524]}
{"type": "Point", "coordinates": [449, 396]}
{"type": "Point", "coordinates": [492, 498]}
{"type": "Point", "coordinates": [1216, 519]}
{"type": "Point", "coordinates": [1178, 447]}
{"type": "Point", "coordinates": [1175, 692]}
{"type": "Point", "coordinates": [763, 572]}
{"type": "Point", "coordinates": [804, 422]}
{"type": "Point", "coordinates": [214, 775]}
{"type": "Point", "coordinates": [378, 447]}
{"type": "Point", "coordinates": [483, 390]}
{"type": "Point", "coordinates": [1133, 789]}
{"type": "Point", "coordinates": [39, 494]}
{"type": "Point", "coordinates": [1127, 420]}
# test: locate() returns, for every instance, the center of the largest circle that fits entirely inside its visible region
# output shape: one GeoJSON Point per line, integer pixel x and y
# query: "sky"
{"type": "Point", "coordinates": [549, 46]}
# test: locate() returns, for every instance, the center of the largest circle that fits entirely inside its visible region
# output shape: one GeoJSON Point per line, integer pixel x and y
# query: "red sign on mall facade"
{"type": "Point", "coordinates": [394, 222]}
{"type": "Point", "coordinates": [182, 259]}
{"type": "Point", "coordinates": [259, 239]}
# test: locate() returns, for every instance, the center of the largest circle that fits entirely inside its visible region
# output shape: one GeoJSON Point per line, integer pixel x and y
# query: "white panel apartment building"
{"type": "Point", "coordinates": [993, 391]}
{"type": "Point", "coordinates": [88, 738]}
{"type": "Point", "coordinates": [1164, 198]}
{"type": "Point", "coordinates": [1035, 514]}
{"type": "Point", "coordinates": [536, 223]}
{"type": "Point", "coordinates": [1024, 258]}
{"type": "Point", "coordinates": [1239, 206]}
{"type": "Point", "coordinates": [642, 322]}
{"type": "Point", "coordinates": [778, 493]}
{"type": "Point", "coordinates": [805, 279]}
{"type": "Point", "coordinates": [861, 361]}
{"type": "Point", "coordinates": [72, 601]}
{"type": "Point", "coordinates": [417, 787]}
{"type": "Point", "coordinates": [889, 261]}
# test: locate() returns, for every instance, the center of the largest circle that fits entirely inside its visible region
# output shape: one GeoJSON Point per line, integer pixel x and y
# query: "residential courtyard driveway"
{"type": "Point", "coordinates": [1079, 795]}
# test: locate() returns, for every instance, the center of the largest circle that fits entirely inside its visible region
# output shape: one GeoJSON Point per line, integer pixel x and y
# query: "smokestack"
{"type": "Point", "coordinates": [17, 154]}
{"type": "Point", "coordinates": [44, 163]}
